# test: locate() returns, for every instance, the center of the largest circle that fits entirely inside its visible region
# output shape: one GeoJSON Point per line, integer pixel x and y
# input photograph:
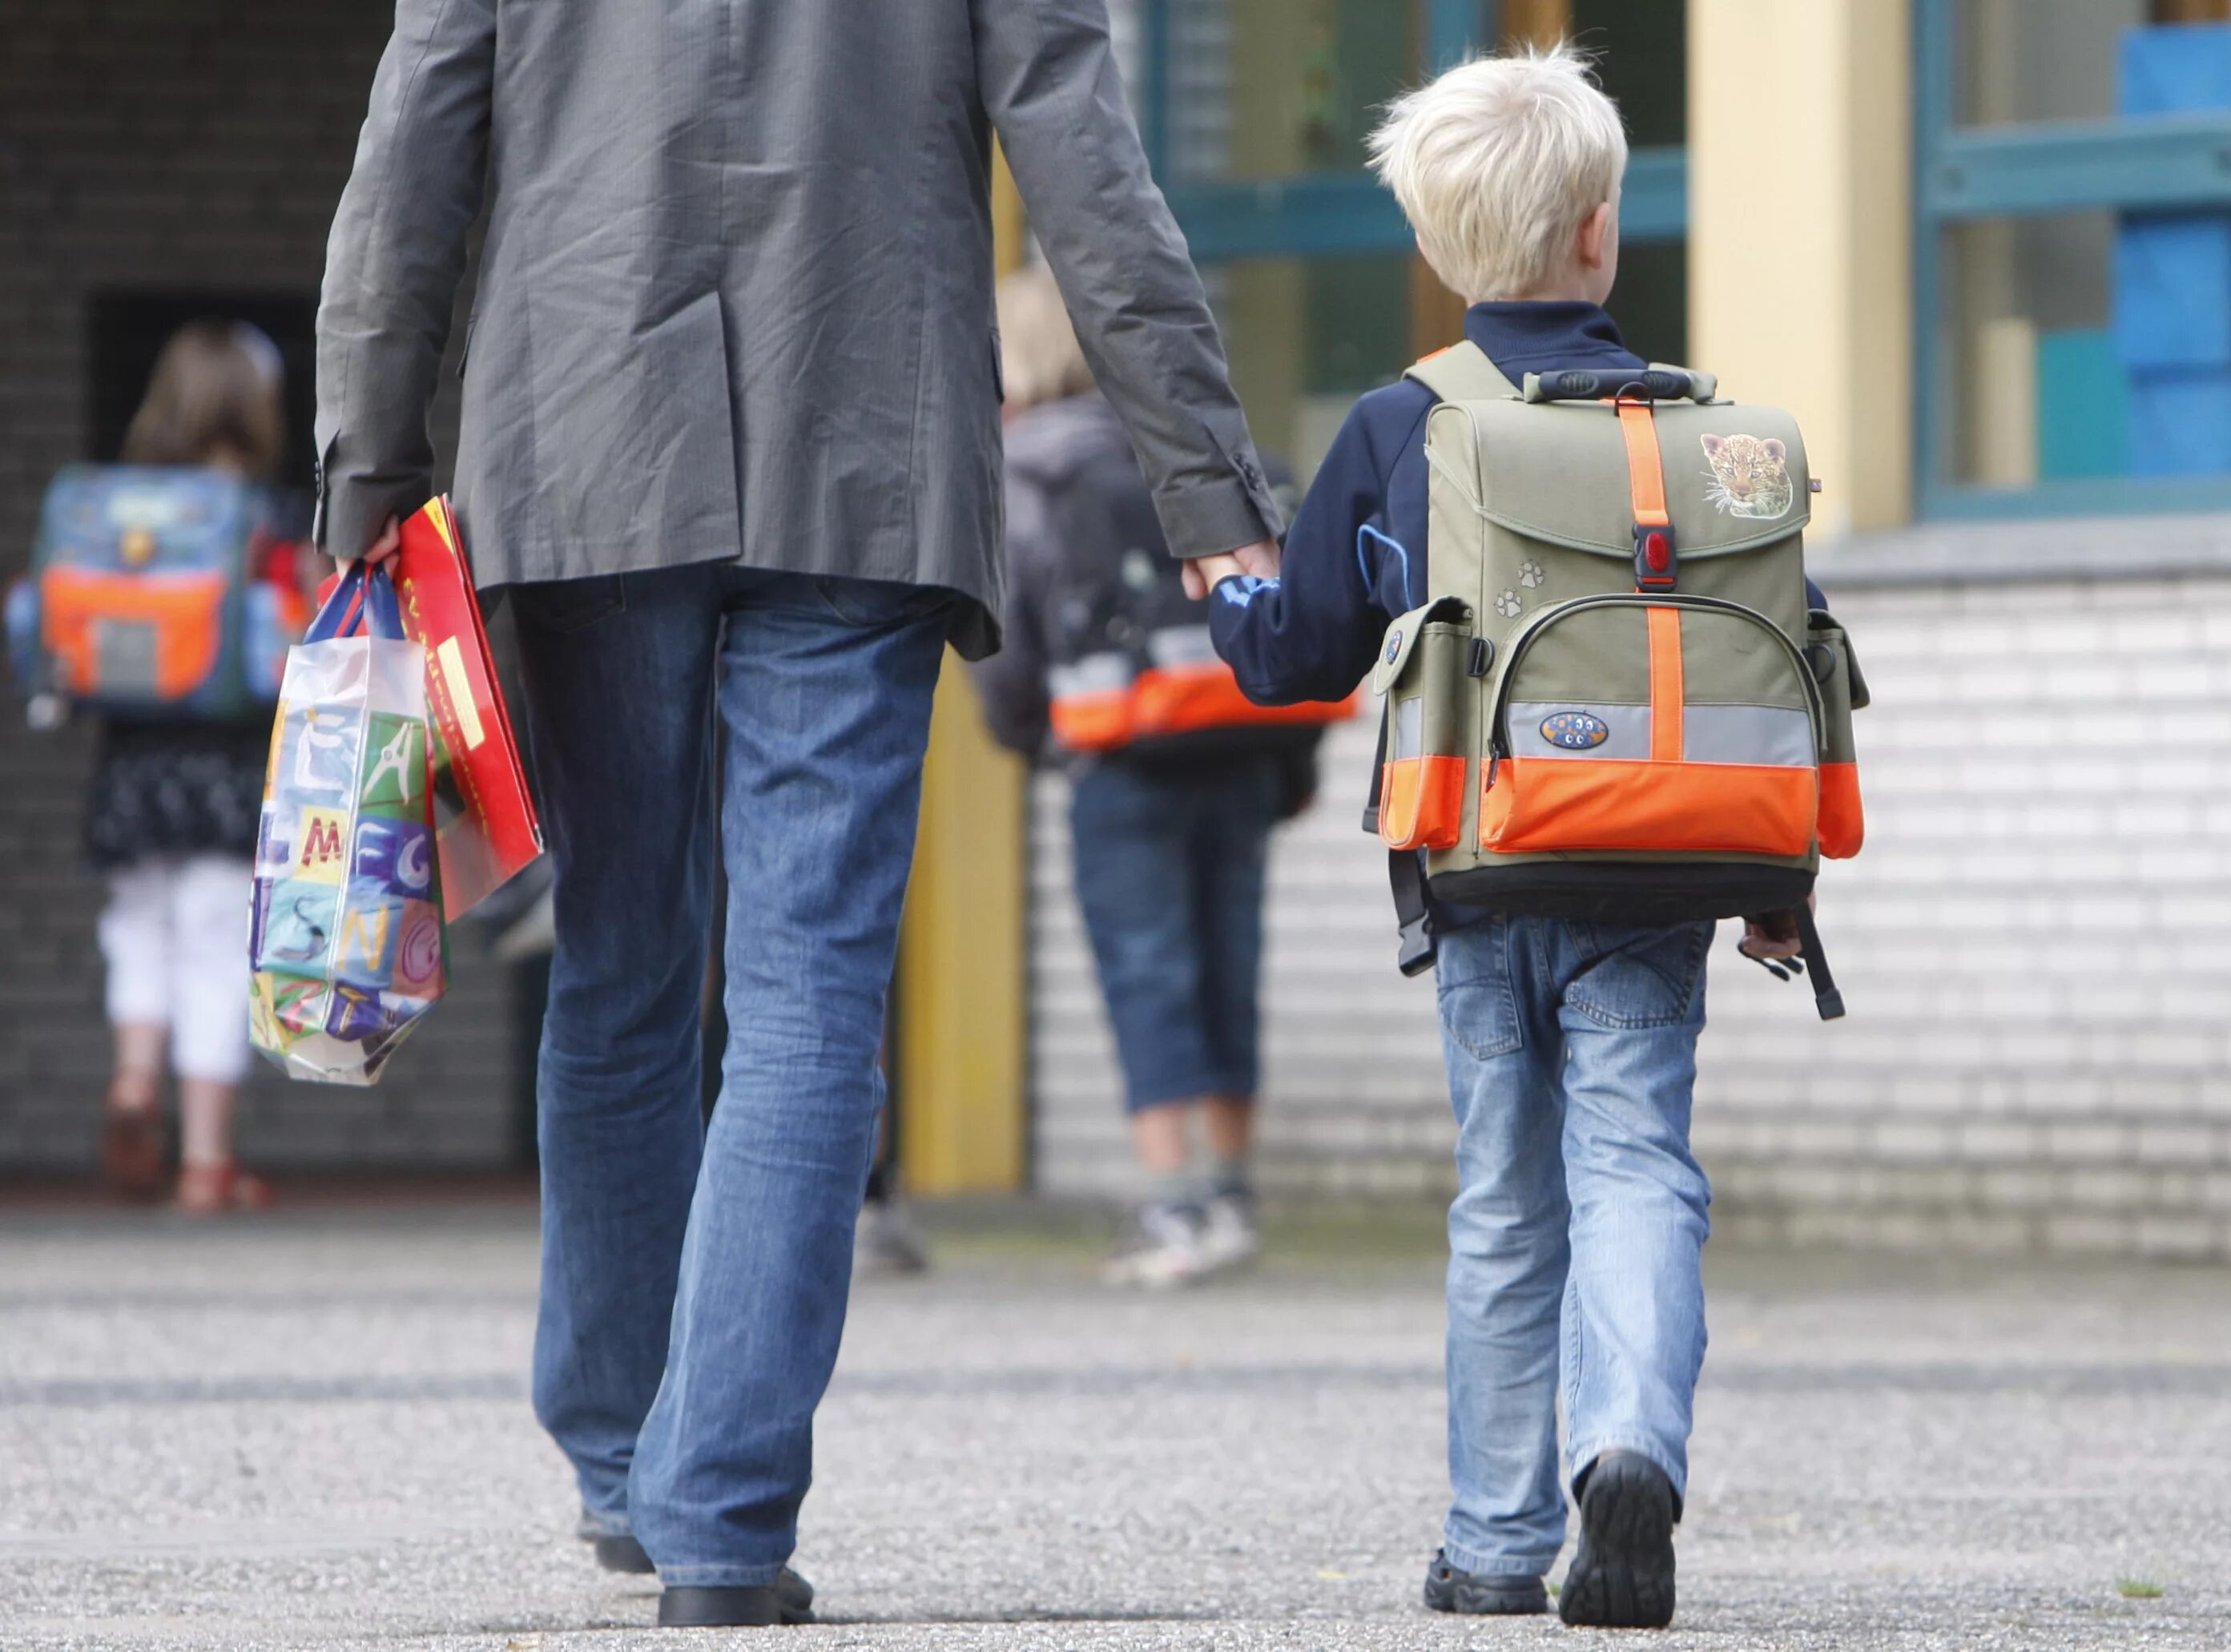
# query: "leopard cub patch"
{"type": "Point", "coordinates": [1751, 475]}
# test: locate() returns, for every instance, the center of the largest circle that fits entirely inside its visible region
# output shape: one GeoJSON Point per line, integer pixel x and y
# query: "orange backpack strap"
{"type": "Point", "coordinates": [1656, 562]}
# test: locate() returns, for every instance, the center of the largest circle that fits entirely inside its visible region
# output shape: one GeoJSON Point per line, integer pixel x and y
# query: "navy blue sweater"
{"type": "Point", "coordinates": [1355, 554]}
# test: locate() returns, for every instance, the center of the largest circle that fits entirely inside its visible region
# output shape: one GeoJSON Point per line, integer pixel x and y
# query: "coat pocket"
{"type": "Point", "coordinates": [1426, 754]}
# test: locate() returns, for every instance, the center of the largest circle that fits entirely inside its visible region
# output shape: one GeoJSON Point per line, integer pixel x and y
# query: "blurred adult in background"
{"type": "Point", "coordinates": [1171, 830]}
{"type": "Point", "coordinates": [730, 433]}
{"type": "Point", "coordinates": [171, 821]}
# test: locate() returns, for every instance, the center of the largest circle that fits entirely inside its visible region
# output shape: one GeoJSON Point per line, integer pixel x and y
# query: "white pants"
{"type": "Point", "coordinates": [175, 936]}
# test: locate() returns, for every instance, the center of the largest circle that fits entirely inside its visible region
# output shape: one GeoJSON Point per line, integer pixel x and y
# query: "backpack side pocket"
{"type": "Point", "coordinates": [1843, 822]}
{"type": "Point", "coordinates": [1426, 757]}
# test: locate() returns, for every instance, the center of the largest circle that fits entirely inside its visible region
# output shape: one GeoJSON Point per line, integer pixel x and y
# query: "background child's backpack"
{"type": "Point", "coordinates": [1619, 705]}
{"type": "Point", "coordinates": [1132, 665]}
{"type": "Point", "coordinates": [157, 592]}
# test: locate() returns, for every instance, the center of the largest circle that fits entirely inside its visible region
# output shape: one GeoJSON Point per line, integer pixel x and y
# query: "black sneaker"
{"type": "Point", "coordinates": [1481, 1594]}
{"type": "Point", "coordinates": [1622, 1576]}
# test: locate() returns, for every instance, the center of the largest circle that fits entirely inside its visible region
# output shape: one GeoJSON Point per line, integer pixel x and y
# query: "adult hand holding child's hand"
{"type": "Point", "coordinates": [1201, 573]}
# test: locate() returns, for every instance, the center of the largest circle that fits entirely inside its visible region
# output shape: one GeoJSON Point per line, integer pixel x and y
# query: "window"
{"type": "Point", "coordinates": [2073, 255]}
{"type": "Point", "coordinates": [1255, 113]}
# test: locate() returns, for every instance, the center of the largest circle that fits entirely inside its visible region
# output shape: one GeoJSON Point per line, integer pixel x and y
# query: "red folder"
{"type": "Point", "coordinates": [483, 815]}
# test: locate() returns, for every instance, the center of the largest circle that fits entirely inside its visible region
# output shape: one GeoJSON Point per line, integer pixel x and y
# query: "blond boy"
{"type": "Point", "coordinates": [1576, 1234]}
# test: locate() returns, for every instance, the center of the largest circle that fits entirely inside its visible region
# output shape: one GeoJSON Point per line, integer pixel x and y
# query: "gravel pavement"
{"type": "Point", "coordinates": [311, 1431]}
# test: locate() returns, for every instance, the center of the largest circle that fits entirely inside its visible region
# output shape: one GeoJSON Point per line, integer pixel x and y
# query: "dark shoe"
{"type": "Point", "coordinates": [1482, 1595]}
{"type": "Point", "coordinates": [623, 1554]}
{"type": "Point", "coordinates": [757, 1606]}
{"type": "Point", "coordinates": [1622, 1576]}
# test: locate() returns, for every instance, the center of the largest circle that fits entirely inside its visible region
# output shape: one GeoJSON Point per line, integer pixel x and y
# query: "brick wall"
{"type": "Point", "coordinates": [2036, 946]}
{"type": "Point", "coordinates": [147, 144]}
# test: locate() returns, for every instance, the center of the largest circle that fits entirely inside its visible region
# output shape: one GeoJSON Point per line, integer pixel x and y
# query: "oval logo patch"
{"type": "Point", "coordinates": [1574, 730]}
{"type": "Point", "coordinates": [1393, 645]}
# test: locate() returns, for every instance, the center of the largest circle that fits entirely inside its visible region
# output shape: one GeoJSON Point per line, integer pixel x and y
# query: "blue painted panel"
{"type": "Point", "coordinates": [2083, 406]}
{"type": "Point", "coordinates": [2079, 497]}
{"type": "Point", "coordinates": [2180, 422]}
{"type": "Point", "coordinates": [1452, 32]}
{"type": "Point", "coordinates": [2173, 292]}
{"type": "Point", "coordinates": [2175, 69]}
{"type": "Point", "coordinates": [2163, 161]}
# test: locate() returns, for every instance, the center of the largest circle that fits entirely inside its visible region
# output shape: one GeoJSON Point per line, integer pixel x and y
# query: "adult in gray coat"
{"type": "Point", "coordinates": [731, 435]}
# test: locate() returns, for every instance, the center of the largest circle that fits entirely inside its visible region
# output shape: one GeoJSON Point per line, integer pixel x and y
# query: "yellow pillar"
{"type": "Point", "coordinates": [960, 1064]}
{"type": "Point", "coordinates": [1799, 232]}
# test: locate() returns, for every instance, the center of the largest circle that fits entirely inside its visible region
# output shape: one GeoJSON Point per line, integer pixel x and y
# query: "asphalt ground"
{"type": "Point", "coordinates": [311, 1431]}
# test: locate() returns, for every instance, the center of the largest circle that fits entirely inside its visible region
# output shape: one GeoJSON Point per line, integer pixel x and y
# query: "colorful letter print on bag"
{"type": "Point", "coordinates": [348, 947]}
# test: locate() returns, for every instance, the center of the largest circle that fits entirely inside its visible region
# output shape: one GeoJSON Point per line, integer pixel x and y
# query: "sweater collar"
{"type": "Point", "coordinates": [1564, 330]}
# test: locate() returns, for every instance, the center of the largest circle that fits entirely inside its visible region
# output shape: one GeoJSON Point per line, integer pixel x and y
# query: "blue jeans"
{"type": "Point", "coordinates": [1170, 866]}
{"type": "Point", "coordinates": [694, 1281]}
{"type": "Point", "coordinates": [1577, 1234]}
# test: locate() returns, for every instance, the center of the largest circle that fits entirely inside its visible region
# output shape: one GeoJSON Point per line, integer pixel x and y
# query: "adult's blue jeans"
{"type": "Point", "coordinates": [1170, 868]}
{"type": "Point", "coordinates": [1576, 1237]}
{"type": "Point", "coordinates": [695, 1280]}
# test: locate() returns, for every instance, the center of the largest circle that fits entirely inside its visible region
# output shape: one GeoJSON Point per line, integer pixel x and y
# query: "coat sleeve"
{"type": "Point", "coordinates": [1050, 84]}
{"type": "Point", "coordinates": [1312, 634]}
{"type": "Point", "coordinates": [1012, 682]}
{"type": "Point", "coordinates": [392, 264]}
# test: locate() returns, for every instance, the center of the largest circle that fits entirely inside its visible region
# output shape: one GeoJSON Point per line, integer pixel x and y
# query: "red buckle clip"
{"type": "Point", "coordinates": [1657, 563]}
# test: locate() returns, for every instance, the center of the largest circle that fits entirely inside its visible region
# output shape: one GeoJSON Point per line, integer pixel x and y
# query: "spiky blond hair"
{"type": "Point", "coordinates": [1497, 164]}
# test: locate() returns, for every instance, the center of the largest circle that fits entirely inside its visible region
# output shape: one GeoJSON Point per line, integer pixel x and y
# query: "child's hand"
{"type": "Point", "coordinates": [1202, 573]}
{"type": "Point", "coordinates": [1773, 934]}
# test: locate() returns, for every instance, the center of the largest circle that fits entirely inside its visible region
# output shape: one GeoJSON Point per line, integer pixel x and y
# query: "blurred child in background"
{"type": "Point", "coordinates": [1171, 826]}
{"type": "Point", "coordinates": [171, 819]}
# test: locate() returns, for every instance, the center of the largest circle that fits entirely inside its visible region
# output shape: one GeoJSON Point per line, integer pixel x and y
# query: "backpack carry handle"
{"type": "Point", "coordinates": [363, 602]}
{"type": "Point", "coordinates": [1586, 385]}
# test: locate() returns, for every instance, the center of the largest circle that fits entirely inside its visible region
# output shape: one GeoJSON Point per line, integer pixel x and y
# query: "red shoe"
{"type": "Point", "coordinates": [134, 1151]}
{"type": "Point", "coordinates": [214, 1189]}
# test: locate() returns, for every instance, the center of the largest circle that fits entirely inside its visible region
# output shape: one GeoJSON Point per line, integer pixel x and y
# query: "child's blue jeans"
{"type": "Point", "coordinates": [1170, 870]}
{"type": "Point", "coordinates": [1576, 1237]}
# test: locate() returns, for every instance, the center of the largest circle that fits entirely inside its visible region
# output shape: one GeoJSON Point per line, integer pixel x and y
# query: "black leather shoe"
{"type": "Point", "coordinates": [757, 1606]}
{"type": "Point", "coordinates": [1622, 1575]}
{"type": "Point", "coordinates": [1481, 1595]}
{"type": "Point", "coordinates": [622, 1554]}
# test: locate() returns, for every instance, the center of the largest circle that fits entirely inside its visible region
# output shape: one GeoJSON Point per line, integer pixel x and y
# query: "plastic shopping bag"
{"type": "Point", "coordinates": [347, 944]}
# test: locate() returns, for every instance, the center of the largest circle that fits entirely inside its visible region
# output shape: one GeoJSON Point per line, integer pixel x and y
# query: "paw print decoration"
{"type": "Point", "coordinates": [1508, 604]}
{"type": "Point", "coordinates": [1530, 574]}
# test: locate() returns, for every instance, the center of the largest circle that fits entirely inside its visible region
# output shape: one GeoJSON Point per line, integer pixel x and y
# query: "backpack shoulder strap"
{"type": "Point", "coordinates": [1462, 373]}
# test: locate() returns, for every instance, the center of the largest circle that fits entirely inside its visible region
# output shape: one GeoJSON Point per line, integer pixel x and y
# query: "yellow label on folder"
{"type": "Point", "coordinates": [451, 658]}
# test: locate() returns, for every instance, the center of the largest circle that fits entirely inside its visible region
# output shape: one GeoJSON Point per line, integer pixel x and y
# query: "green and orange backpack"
{"type": "Point", "coordinates": [1619, 705]}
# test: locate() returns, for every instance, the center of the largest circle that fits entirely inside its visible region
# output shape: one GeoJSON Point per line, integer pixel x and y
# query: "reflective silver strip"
{"type": "Point", "coordinates": [1782, 735]}
{"type": "Point", "coordinates": [1094, 674]}
{"type": "Point", "coordinates": [1627, 736]}
{"type": "Point", "coordinates": [1182, 645]}
{"type": "Point", "coordinates": [1410, 728]}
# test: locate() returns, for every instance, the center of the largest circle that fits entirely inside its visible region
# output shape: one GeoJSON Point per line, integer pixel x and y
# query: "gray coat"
{"type": "Point", "coordinates": [735, 301]}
